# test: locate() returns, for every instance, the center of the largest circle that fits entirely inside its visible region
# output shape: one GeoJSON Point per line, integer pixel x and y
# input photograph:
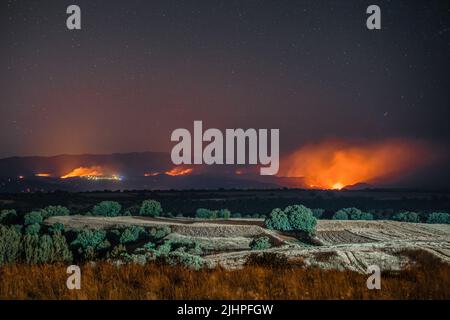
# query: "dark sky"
{"type": "Point", "coordinates": [140, 69]}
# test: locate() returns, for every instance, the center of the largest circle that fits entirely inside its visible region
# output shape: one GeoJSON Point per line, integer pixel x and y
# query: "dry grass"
{"type": "Point", "coordinates": [156, 281]}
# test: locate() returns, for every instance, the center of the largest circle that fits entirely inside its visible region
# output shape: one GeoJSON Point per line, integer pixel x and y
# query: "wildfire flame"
{"type": "Point", "coordinates": [151, 174]}
{"type": "Point", "coordinates": [42, 175]}
{"type": "Point", "coordinates": [179, 171]}
{"type": "Point", "coordinates": [336, 164]}
{"type": "Point", "coordinates": [94, 171]}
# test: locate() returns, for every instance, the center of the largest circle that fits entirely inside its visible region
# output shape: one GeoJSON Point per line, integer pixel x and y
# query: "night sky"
{"type": "Point", "coordinates": [140, 69]}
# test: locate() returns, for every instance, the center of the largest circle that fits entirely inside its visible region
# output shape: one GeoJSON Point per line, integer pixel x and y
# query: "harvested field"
{"type": "Point", "coordinates": [186, 227]}
{"type": "Point", "coordinates": [342, 245]}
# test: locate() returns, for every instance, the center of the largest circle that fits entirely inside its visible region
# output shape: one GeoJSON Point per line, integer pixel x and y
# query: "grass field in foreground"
{"type": "Point", "coordinates": [428, 279]}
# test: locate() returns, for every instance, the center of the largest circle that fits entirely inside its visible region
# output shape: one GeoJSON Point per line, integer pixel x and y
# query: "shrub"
{"type": "Point", "coordinates": [260, 243]}
{"type": "Point", "coordinates": [352, 214]}
{"type": "Point", "coordinates": [186, 259]}
{"type": "Point", "coordinates": [406, 217]}
{"type": "Point", "coordinates": [301, 218]}
{"type": "Point", "coordinates": [10, 245]}
{"type": "Point", "coordinates": [159, 233]}
{"type": "Point", "coordinates": [56, 227]}
{"type": "Point", "coordinates": [46, 249]}
{"type": "Point", "coordinates": [30, 245]}
{"type": "Point", "coordinates": [165, 248]}
{"type": "Point", "coordinates": [224, 214]}
{"type": "Point", "coordinates": [33, 229]}
{"type": "Point", "coordinates": [44, 252]}
{"type": "Point", "coordinates": [278, 220]}
{"type": "Point", "coordinates": [117, 252]}
{"type": "Point", "coordinates": [150, 208]}
{"type": "Point", "coordinates": [107, 209]}
{"type": "Point", "coordinates": [236, 215]}
{"type": "Point", "coordinates": [52, 211]}
{"type": "Point", "coordinates": [203, 213]}
{"type": "Point", "coordinates": [439, 217]}
{"type": "Point", "coordinates": [149, 245]}
{"type": "Point", "coordinates": [340, 215]}
{"type": "Point", "coordinates": [131, 234]}
{"type": "Point", "coordinates": [34, 217]}
{"type": "Point", "coordinates": [90, 238]}
{"type": "Point", "coordinates": [61, 251]}
{"type": "Point", "coordinates": [317, 213]}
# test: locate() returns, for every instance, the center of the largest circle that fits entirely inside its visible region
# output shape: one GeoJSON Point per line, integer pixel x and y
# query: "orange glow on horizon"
{"type": "Point", "coordinates": [337, 164]}
{"type": "Point", "coordinates": [94, 171]}
{"type": "Point", "coordinates": [179, 171]}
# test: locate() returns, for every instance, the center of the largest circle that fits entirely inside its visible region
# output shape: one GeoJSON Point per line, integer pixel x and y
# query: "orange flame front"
{"type": "Point", "coordinates": [336, 164]}
{"type": "Point", "coordinates": [179, 171]}
{"type": "Point", "coordinates": [42, 175]}
{"type": "Point", "coordinates": [94, 171]}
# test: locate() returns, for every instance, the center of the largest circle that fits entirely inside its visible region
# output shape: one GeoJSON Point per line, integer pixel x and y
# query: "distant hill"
{"type": "Point", "coordinates": [135, 163]}
{"type": "Point", "coordinates": [137, 170]}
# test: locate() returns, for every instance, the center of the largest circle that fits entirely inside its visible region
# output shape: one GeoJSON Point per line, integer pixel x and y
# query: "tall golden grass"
{"type": "Point", "coordinates": [157, 281]}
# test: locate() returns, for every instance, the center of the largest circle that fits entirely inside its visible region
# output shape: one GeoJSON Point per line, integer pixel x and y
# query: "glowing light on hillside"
{"type": "Point", "coordinates": [80, 172]}
{"type": "Point", "coordinates": [179, 171]}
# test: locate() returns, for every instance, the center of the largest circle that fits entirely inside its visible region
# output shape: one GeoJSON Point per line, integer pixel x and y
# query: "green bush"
{"type": "Point", "coordinates": [352, 214]}
{"type": "Point", "coordinates": [45, 249]}
{"type": "Point", "coordinates": [61, 251]}
{"type": "Point", "coordinates": [260, 243]}
{"type": "Point", "coordinates": [301, 218]}
{"type": "Point", "coordinates": [278, 220]}
{"type": "Point", "coordinates": [439, 217]}
{"type": "Point", "coordinates": [33, 229]}
{"type": "Point", "coordinates": [150, 208]}
{"type": "Point", "coordinates": [164, 248]}
{"type": "Point", "coordinates": [33, 218]}
{"type": "Point", "coordinates": [203, 213]}
{"type": "Point", "coordinates": [132, 234]}
{"type": "Point", "coordinates": [224, 214]}
{"type": "Point", "coordinates": [159, 233]}
{"type": "Point", "coordinates": [30, 248]}
{"type": "Point", "coordinates": [52, 211]}
{"type": "Point", "coordinates": [317, 213]}
{"type": "Point", "coordinates": [10, 245]}
{"type": "Point", "coordinates": [236, 215]}
{"type": "Point", "coordinates": [95, 239]}
{"type": "Point", "coordinates": [149, 245]}
{"type": "Point", "coordinates": [107, 209]}
{"type": "Point", "coordinates": [406, 216]}
{"type": "Point", "coordinates": [340, 215]}
{"type": "Point", "coordinates": [56, 227]}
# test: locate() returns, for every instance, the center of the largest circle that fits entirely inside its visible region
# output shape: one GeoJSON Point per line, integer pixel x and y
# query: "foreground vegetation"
{"type": "Point", "coordinates": [262, 278]}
